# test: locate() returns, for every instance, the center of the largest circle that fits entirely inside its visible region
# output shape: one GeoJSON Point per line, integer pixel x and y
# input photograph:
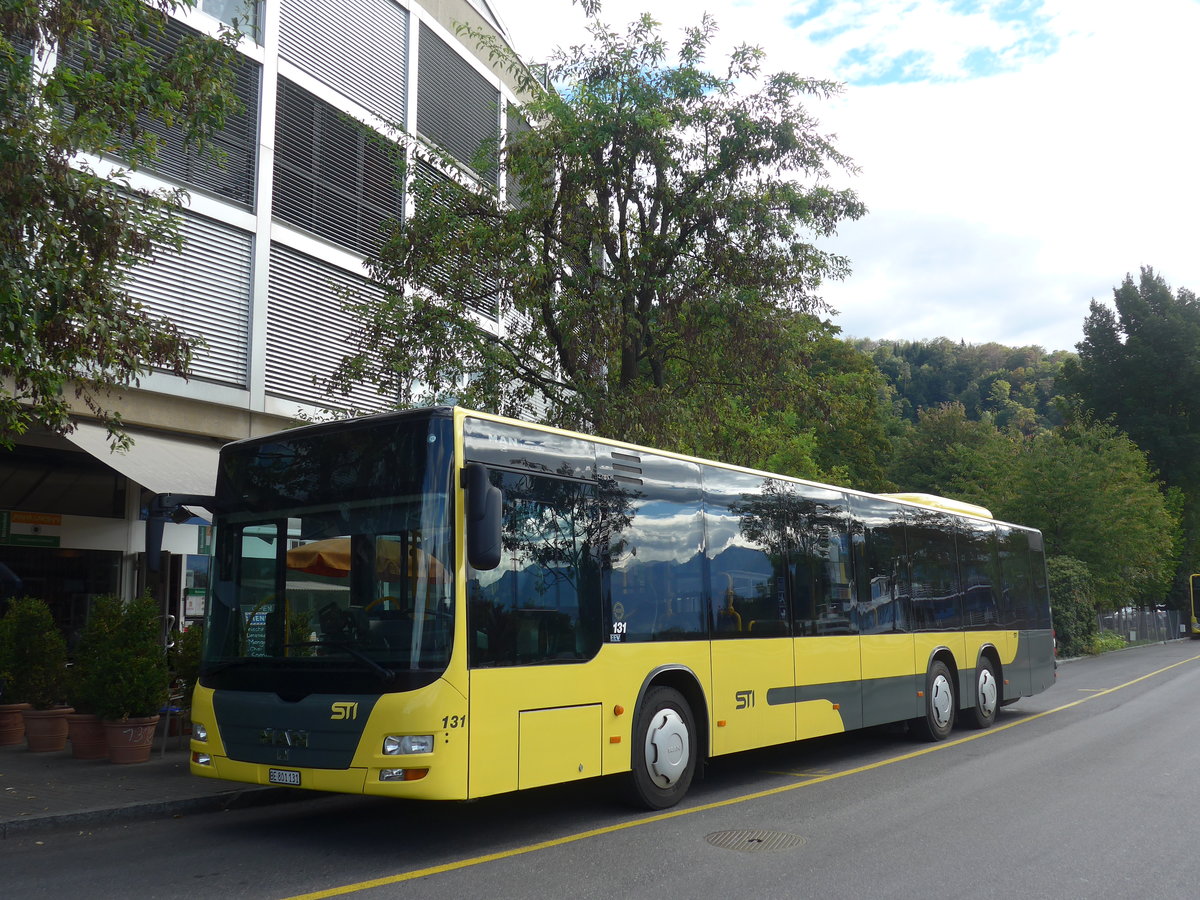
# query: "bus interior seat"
{"type": "Point", "coordinates": [728, 618]}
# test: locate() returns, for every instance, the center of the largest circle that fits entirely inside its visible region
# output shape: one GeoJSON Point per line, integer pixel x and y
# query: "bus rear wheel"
{"type": "Point", "coordinates": [664, 749]}
{"type": "Point", "coordinates": [940, 704]}
{"type": "Point", "coordinates": [987, 696]}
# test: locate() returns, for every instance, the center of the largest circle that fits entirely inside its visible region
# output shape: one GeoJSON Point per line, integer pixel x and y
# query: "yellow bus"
{"type": "Point", "coordinates": [444, 604]}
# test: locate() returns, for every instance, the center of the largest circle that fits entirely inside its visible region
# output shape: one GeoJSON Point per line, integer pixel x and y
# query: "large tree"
{"type": "Point", "coordinates": [1086, 485]}
{"type": "Point", "coordinates": [649, 258]}
{"type": "Point", "coordinates": [1139, 363]}
{"type": "Point", "coordinates": [949, 453]}
{"type": "Point", "coordinates": [1096, 498]}
{"type": "Point", "coordinates": [1014, 385]}
{"type": "Point", "coordinates": [82, 84]}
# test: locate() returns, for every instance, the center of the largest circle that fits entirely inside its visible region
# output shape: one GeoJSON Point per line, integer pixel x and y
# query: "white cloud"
{"type": "Point", "coordinates": [999, 205]}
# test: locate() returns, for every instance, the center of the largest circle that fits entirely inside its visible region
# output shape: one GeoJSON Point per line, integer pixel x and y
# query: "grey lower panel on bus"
{"type": "Point", "coordinates": [847, 694]}
{"type": "Point", "coordinates": [875, 701]}
{"type": "Point", "coordinates": [1041, 664]}
{"type": "Point", "coordinates": [1032, 670]}
{"type": "Point", "coordinates": [892, 699]}
{"type": "Point", "coordinates": [320, 731]}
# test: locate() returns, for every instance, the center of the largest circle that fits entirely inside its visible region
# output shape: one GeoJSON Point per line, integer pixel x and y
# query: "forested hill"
{"type": "Point", "coordinates": [1013, 385]}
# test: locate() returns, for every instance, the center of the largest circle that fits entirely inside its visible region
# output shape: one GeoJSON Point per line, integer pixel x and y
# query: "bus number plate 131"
{"type": "Point", "coordinates": [283, 776]}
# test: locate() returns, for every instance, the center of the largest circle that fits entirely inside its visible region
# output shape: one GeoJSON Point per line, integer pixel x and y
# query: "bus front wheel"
{"type": "Point", "coordinates": [664, 749]}
{"type": "Point", "coordinates": [940, 704]}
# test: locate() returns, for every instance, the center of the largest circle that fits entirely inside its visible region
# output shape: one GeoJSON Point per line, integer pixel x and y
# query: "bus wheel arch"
{"type": "Point", "coordinates": [986, 690]}
{"type": "Point", "coordinates": [940, 698]}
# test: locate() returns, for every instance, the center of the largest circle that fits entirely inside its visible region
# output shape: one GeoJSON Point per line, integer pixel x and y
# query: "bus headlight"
{"type": "Point", "coordinates": [401, 744]}
{"type": "Point", "coordinates": [199, 732]}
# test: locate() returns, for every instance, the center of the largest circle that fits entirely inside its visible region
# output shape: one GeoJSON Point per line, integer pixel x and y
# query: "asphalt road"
{"type": "Point", "coordinates": [1086, 791]}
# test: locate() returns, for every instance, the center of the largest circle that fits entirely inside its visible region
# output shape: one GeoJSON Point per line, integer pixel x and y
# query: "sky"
{"type": "Point", "coordinates": [1018, 157]}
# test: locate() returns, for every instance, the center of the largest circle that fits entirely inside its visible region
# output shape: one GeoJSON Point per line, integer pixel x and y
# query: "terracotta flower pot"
{"type": "Point", "coordinates": [86, 735]}
{"type": "Point", "coordinates": [131, 740]}
{"type": "Point", "coordinates": [46, 729]}
{"type": "Point", "coordinates": [12, 723]}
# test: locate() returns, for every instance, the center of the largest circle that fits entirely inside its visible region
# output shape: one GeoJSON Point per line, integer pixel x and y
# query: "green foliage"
{"type": "Point", "coordinates": [1072, 605]}
{"type": "Point", "coordinates": [1012, 387]}
{"type": "Point", "coordinates": [5, 661]}
{"type": "Point", "coordinates": [70, 229]}
{"type": "Point", "coordinates": [186, 655]}
{"type": "Point", "coordinates": [947, 453]}
{"type": "Point", "coordinates": [1095, 498]}
{"type": "Point", "coordinates": [1105, 642]}
{"type": "Point", "coordinates": [654, 252]}
{"type": "Point", "coordinates": [1139, 363]}
{"type": "Point", "coordinates": [37, 654]}
{"type": "Point", "coordinates": [123, 660]}
{"type": "Point", "coordinates": [89, 674]}
{"type": "Point", "coordinates": [1087, 487]}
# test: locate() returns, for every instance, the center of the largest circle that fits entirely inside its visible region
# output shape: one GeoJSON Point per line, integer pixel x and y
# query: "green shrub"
{"type": "Point", "coordinates": [185, 657]}
{"type": "Point", "coordinates": [1105, 641]}
{"type": "Point", "coordinates": [5, 663]}
{"type": "Point", "coordinates": [36, 653]}
{"type": "Point", "coordinates": [1071, 605]}
{"type": "Point", "coordinates": [124, 660]}
{"type": "Point", "coordinates": [86, 684]}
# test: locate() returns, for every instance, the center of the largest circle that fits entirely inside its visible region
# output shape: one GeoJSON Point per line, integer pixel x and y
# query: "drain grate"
{"type": "Point", "coordinates": [755, 841]}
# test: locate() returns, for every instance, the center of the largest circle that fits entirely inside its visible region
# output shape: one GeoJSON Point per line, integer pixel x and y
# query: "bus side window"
{"type": "Point", "coordinates": [747, 522]}
{"type": "Point", "coordinates": [651, 539]}
{"type": "Point", "coordinates": [880, 565]}
{"type": "Point", "coordinates": [541, 604]}
{"type": "Point", "coordinates": [820, 566]}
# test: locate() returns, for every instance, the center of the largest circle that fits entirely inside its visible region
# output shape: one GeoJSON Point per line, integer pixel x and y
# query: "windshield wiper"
{"type": "Point", "coordinates": [387, 676]}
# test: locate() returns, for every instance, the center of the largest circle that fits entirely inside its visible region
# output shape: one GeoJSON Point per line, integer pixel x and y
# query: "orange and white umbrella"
{"type": "Point", "coordinates": [332, 557]}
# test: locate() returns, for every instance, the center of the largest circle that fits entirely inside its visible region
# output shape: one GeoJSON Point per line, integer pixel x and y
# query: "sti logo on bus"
{"type": "Point", "coordinates": [745, 699]}
{"type": "Point", "coordinates": [344, 709]}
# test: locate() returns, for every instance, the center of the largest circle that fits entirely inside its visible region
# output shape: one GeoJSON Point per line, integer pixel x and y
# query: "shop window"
{"type": "Point", "coordinates": [68, 580]}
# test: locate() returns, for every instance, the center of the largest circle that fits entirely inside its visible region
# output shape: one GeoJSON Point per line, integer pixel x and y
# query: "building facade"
{"type": "Point", "coordinates": [274, 237]}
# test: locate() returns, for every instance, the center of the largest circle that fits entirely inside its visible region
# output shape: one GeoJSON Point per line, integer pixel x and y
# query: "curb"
{"type": "Point", "coordinates": [154, 809]}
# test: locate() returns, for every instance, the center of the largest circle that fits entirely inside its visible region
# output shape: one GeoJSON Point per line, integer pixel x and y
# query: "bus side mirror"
{"type": "Point", "coordinates": [484, 502]}
{"type": "Point", "coordinates": [173, 507]}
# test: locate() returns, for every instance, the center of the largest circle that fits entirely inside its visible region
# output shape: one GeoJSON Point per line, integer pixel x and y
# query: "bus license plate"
{"type": "Point", "coordinates": [283, 776]}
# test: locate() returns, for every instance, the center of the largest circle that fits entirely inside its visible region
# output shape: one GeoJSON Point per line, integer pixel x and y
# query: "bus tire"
{"type": "Point", "coordinates": [987, 696]}
{"type": "Point", "coordinates": [940, 704]}
{"type": "Point", "coordinates": [664, 750]}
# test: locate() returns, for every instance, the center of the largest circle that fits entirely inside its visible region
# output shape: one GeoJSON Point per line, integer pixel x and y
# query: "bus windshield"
{"type": "Point", "coordinates": [333, 567]}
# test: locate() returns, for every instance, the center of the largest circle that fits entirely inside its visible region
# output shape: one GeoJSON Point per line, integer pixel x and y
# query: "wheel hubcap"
{"type": "Point", "coordinates": [987, 692]}
{"type": "Point", "coordinates": [667, 749]}
{"type": "Point", "coordinates": [941, 701]}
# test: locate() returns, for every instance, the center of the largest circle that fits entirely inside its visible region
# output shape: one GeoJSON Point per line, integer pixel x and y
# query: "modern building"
{"type": "Point", "coordinates": [273, 239]}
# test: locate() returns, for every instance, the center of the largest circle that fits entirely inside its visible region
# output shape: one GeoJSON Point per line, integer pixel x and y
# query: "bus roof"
{"type": "Point", "coordinates": [947, 503]}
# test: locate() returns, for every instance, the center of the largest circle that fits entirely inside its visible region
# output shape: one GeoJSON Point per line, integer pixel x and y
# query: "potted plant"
{"type": "Point", "coordinates": [85, 681]}
{"type": "Point", "coordinates": [37, 670]}
{"type": "Point", "coordinates": [131, 664]}
{"type": "Point", "coordinates": [12, 723]}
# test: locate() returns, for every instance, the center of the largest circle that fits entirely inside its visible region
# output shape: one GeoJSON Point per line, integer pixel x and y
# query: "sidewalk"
{"type": "Point", "coordinates": [46, 791]}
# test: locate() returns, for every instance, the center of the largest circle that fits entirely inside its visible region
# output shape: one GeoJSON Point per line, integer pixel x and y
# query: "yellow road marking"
{"type": "Point", "coordinates": [717, 804]}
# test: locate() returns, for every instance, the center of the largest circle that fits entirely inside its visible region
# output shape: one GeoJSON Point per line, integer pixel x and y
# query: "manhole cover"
{"type": "Point", "coordinates": [755, 841]}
